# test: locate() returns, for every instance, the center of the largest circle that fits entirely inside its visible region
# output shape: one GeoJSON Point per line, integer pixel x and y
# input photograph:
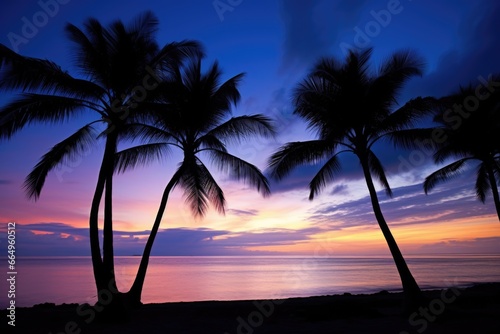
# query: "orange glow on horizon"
{"type": "Point", "coordinates": [363, 240]}
{"type": "Point", "coordinates": [36, 232]}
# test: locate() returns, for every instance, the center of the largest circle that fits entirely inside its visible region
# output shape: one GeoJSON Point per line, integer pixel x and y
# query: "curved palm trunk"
{"type": "Point", "coordinates": [494, 190]}
{"type": "Point", "coordinates": [95, 248]}
{"type": "Point", "coordinates": [412, 293]}
{"type": "Point", "coordinates": [134, 295]}
{"type": "Point", "coordinates": [104, 267]}
{"type": "Point", "coordinates": [114, 307]}
{"type": "Point", "coordinates": [107, 244]}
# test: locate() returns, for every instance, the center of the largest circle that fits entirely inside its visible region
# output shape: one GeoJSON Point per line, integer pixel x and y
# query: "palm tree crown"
{"type": "Point", "coordinates": [115, 63]}
{"type": "Point", "coordinates": [470, 134]}
{"type": "Point", "coordinates": [351, 108]}
{"type": "Point", "coordinates": [194, 119]}
{"type": "Point", "coordinates": [120, 67]}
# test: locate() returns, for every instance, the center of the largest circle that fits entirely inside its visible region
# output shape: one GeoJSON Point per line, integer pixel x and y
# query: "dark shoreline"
{"type": "Point", "coordinates": [455, 310]}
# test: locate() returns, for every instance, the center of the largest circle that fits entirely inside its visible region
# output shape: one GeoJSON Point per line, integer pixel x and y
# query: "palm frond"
{"type": "Point", "coordinates": [357, 62]}
{"type": "Point", "coordinates": [496, 169]}
{"type": "Point", "coordinates": [444, 174]}
{"type": "Point", "coordinates": [66, 150]}
{"type": "Point", "coordinates": [409, 114]}
{"type": "Point", "coordinates": [145, 25]}
{"type": "Point", "coordinates": [171, 56]}
{"type": "Point", "coordinates": [227, 93]}
{"type": "Point", "coordinates": [210, 141]}
{"type": "Point", "coordinates": [193, 180]}
{"type": "Point", "coordinates": [325, 175]}
{"type": "Point", "coordinates": [482, 183]}
{"type": "Point", "coordinates": [90, 54]}
{"type": "Point", "coordinates": [140, 155]}
{"type": "Point", "coordinates": [314, 99]}
{"type": "Point", "coordinates": [452, 150]}
{"type": "Point", "coordinates": [384, 88]}
{"type": "Point", "coordinates": [377, 169]}
{"type": "Point", "coordinates": [243, 127]}
{"type": "Point", "coordinates": [214, 193]}
{"type": "Point", "coordinates": [218, 98]}
{"type": "Point", "coordinates": [402, 65]}
{"type": "Point", "coordinates": [42, 76]}
{"type": "Point", "coordinates": [294, 154]}
{"type": "Point", "coordinates": [240, 170]}
{"type": "Point", "coordinates": [30, 108]}
{"type": "Point", "coordinates": [326, 69]}
{"type": "Point", "coordinates": [413, 138]}
{"type": "Point", "coordinates": [146, 133]}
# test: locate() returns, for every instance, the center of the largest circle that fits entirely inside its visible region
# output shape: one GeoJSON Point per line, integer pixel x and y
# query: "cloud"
{"type": "Point", "coordinates": [270, 237]}
{"type": "Point", "coordinates": [280, 111]}
{"type": "Point", "coordinates": [312, 28]}
{"type": "Point", "coordinates": [409, 206]}
{"type": "Point", "coordinates": [477, 54]}
{"type": "Point", "coordinates": [59, 239]}
{"type": "Point", "coordinates": [339, 189]}
{"type": "Point", "coordinates": [5, 182]}
{"type": "Point", "coordinates": [473, 246]}
{"type": "Point", "coordinates": [243, 213]}
{"type": "Point", "coordinates": [298, 179]}
{"type": "Point", "coordinates": [303, 40]}
{"type": "Point", "coordinates": [395, 162]}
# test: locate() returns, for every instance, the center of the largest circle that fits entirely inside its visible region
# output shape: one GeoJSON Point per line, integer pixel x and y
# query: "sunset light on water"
{"type": "Point", "coordinates": [176, 279]}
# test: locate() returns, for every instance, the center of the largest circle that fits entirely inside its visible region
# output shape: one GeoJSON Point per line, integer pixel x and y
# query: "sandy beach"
{"type": "Point", "coordinates": [455, 310]}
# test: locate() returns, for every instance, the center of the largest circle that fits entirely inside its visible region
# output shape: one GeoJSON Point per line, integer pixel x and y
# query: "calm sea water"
{"type": "Point", "coordinates": [70, 280]}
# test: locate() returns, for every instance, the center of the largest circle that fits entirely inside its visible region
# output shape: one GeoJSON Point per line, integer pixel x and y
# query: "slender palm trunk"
{"type": "Point", "coordinates": [95, 248]}
{"type": "Point", "coordinates": [107, 244]}
{"type": "Point", "coordinates": [109, 297]}
{"type": "Point", "coordinates": [134, 295]}
{"type": "Point", "coordinates": [494, 189]}
{"type": "Point", "coordinates": [103, 267]}
{"type": "Point", "coordinates": [411, 290]}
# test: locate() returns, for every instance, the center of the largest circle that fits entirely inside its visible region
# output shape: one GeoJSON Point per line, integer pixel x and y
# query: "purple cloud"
{"type": "Point", "coordinates": [59, 239]}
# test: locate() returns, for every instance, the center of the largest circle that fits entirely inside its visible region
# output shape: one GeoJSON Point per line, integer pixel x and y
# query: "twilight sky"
{"type": "Point", "coordinates": [274, 43]}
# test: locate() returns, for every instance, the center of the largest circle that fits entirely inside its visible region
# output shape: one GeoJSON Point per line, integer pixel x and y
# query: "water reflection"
{"type": "Point", "coordinates": [70, 279]}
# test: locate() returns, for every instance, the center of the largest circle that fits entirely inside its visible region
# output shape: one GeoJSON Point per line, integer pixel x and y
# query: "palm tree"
{"type": "Point", "coordinates": [195, 107]}
{"type": "Point", "coordinates": [120, 67]}
{"type": "Point", "coordinates": [470, 134]}
{"type": "Point", "coordinates": [351, 109]}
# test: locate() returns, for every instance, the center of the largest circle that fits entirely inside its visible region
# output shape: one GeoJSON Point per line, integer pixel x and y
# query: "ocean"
{"type": "Point", "coordinates": [183, 278]}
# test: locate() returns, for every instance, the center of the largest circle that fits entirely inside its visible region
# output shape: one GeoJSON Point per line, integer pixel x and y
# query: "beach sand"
{"type": "Point", "coordinates": [472, 310]}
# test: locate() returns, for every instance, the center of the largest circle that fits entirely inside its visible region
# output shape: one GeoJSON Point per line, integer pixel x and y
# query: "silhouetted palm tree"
{"type": "Point", "coordinates": [194, 120]}
{"type": "Point", "coordinates": [469, 133]}
{"type": "Point", "coordinates": [350, 108]}
{"type": "Point", "coordinates": [119, 66]}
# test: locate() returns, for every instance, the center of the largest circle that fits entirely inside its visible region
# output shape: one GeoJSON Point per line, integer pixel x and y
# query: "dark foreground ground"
{"type": "Point", "coordinates": [472, 310]}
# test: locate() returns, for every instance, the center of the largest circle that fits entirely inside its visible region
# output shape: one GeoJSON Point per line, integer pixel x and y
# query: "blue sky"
{"type": "Point", "coordinates": [274, 43]}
